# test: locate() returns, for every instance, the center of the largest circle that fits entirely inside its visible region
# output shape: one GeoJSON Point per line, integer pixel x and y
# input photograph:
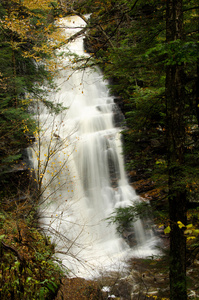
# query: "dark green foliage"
{"type": "Point", "coordinates": [27, 268]}
{"type": "Point", "coordinates": [134, 54]}
{"type": "Point", "coordinates": [19, 78]}
{"type": "Point", "coordinates": [137, 78]}
{"type": "Point", "coordinates": [124, 217]}
{"type": "Point", "coordinates": [16, 128]}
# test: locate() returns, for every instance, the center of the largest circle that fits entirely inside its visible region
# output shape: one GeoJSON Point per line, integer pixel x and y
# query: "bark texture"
{"type": "Point", "coordinates": [176, 143]}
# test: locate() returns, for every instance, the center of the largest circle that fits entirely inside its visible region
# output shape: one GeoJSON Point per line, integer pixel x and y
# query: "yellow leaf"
{"type": "Point", "coordinates": [180, 224]}
{"type": "Point", "coordinates": [191, 237]}
{"type": "Point", "coordinates": [188, 231]}
{"type": "Point", "coordinates": [189, 226]}
{"type": "Point", "coordinates": [167, 229]}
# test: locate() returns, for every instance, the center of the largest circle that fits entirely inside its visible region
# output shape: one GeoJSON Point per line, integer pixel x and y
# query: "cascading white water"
{"type": "Point", "coordinates": [79, 158]}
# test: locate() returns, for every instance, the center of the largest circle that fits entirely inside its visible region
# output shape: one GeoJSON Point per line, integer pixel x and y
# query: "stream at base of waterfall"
{"type": "Point", "coordinates": [78, 155]}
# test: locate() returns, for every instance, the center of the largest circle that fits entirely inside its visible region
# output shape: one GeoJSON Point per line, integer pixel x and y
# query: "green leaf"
{"type": "Point", "coordinates": [51, 287]}
{"type": "Point", "coordinates": [42, 292]}
{"type": "Point", "coordinates": [2, 236]}
{"type": "Point", "coordinates": [28, 279]}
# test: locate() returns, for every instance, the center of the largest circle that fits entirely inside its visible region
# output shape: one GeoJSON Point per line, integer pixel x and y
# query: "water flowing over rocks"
{"type": "Point", "coordinates": [82, 171]}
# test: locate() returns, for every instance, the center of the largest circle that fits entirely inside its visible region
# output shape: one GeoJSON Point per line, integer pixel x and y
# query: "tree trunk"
{"type": "Point", "coordinates": [197, 86]}
{"type": "Point", "coordinates": [197, 93]}
{"type": "Point", "coordinates": [175, 141]}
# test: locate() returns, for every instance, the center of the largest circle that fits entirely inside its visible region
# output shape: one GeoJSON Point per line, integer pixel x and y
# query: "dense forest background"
{"type": "Point", "coordinates": [149, 52]}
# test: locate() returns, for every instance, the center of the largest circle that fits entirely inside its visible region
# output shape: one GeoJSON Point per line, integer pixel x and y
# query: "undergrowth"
{"type": "Point", "coordinates": [27, 267]}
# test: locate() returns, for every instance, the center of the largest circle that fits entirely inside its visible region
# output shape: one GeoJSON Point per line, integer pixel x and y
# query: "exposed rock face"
{"type": "Point", "coordinates": [19, 177]}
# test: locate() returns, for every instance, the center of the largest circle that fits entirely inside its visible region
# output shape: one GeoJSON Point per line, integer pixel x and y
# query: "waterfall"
{"type": "Point", "coordinates": [78, 156]}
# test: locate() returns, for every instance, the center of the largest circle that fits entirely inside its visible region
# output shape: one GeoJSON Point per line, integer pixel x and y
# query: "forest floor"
{"type": "Point", "coordinates": [146, 279]}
